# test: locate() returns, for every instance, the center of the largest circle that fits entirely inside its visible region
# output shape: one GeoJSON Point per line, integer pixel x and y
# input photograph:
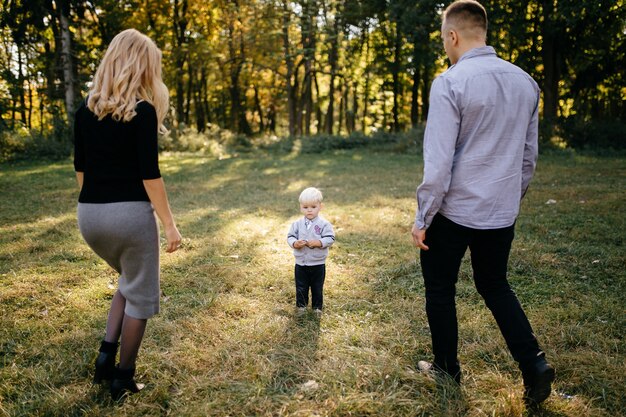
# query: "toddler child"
{"type": "Point", "coordinates": [310, 237]}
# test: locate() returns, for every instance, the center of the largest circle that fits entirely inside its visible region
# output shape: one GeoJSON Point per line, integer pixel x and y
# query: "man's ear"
{"type": "Point", "coordinates": [454, 37]}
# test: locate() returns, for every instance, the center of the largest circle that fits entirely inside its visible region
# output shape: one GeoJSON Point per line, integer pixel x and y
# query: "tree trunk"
{"type": "Point", "coordinates": [30, 107]}
{"type": "Point", "coordinates": [259, 110]}
{"type": "Point", "coordinates": [199, 103]}
{"type": "Point", "coordinates": [342, 105]}
{"type": "Point", "coordinates": [415, 87]}
{"type": "Point", "coordinates": [235, 103]}
{"type": "Point", "coordinates": [180, 28]}
{"type": "Point", "coordinates": [243, 126]}
{"type": "Point", "coordinates": [190, 92]}
{"type": "Point", "coordinates": [309, 44]}
{"type": "Point", "coordinates": [366, 87]}
{"type": "Point", "coordinates": [41, 121]}
{"type": "Point", "coordinates": [66, 62]}
{"type": "Point", "coordinates": [291, 93]}
{"type": "Point", "coordinates": [425, 91]}
{"type": "Point", "coordinates": [318, 108]}
{"type": "Point", "coordinates": [205, 96]}
{"type": "Point", "coordinates": [50, 72]}
{"type": "Point", "coordinates": [271, 118]}
{"type": "Point", "coordinates": [355, 107]}
{"type": "Point", "coordinates": [333, 58]}
{"type": "Point", "coordinates": [13, 110]}
{"type": "Point", "coordinates": [20, 82]}
{"type": "Point", "coordinates": [395, 74]}
{"type": "Point", "coordinates": [551, 67]}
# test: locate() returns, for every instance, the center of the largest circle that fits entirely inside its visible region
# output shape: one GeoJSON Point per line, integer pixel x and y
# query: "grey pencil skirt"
{"type": "Point", "coordinates": [126, 236]}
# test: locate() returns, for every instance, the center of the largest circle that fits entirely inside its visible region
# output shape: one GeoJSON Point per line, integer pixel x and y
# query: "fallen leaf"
{"type": "Point", "coordinates": [310, 385]}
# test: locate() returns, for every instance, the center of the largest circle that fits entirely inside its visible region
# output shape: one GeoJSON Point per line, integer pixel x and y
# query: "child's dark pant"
{"type": "Point", "coordinates": [310, 277]}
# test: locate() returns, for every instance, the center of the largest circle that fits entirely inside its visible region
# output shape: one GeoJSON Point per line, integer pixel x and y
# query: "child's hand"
{"type": "Point", "coordinates": [314, 243]}
{"type": "Point", "coordinates": [299, 244]}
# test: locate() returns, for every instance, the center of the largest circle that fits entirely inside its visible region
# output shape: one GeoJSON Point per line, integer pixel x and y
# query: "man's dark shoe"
{"type": "Point", "coordinates": [537, 382]}
{"type": "Point", "coordinates": [433, 370]}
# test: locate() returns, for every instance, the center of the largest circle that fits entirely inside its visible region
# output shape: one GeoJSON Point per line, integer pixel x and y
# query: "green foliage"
{"type": "Point", "coordinates": [213, 141]}
{"type": "Point", "coordinates": [404, 142]}
{"type": "Point", "coordinates": [594, 134]}
{"type": "Point", "coordinates": [221, 142]}
{"type": "Point", "coordinates": [29, 145]}
{"type": "Point", "coordinates": [308, 67]}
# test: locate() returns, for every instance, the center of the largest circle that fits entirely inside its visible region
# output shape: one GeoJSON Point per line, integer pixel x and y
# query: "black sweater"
{"type": "Point", "coordinates": [116, 156]}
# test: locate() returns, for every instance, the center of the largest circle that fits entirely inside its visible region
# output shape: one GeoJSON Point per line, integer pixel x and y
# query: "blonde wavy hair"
{"type": "Point", "coordinates": [129, 72]}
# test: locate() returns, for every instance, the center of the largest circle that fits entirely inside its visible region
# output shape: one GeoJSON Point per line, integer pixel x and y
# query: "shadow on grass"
{"type": "Point", "coordinates": [296, 356]}
{"type": "Point", "coordinates": [541, 411]}
{"type": "Point", "coordinates": [51, 364]}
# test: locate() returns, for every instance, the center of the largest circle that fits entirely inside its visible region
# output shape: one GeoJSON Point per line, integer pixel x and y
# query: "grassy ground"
{"type": "Point", "coordinates": [228, 342]}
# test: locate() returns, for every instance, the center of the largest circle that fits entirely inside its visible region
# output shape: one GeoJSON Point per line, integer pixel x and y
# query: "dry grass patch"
{"type": "Point", "coordinates": [228, 342]}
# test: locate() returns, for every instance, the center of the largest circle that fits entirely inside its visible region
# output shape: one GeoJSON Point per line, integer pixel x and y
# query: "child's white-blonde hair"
{"type": "Point", "coordinates": [311, 195]}
{"type": "Point", "coordinates": [129, 72]}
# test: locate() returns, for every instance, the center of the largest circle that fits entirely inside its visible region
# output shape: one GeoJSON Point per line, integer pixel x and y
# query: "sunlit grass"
{"type": "Point", "coordinates": [227, 341]}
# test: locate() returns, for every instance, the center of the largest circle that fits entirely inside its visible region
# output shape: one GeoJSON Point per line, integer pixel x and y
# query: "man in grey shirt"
{"type": "Point", "coordinates": [480, 151]}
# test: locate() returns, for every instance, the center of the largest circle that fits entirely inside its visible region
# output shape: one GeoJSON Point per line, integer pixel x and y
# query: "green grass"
{"type": "Point", "coordinates": [227, 341]}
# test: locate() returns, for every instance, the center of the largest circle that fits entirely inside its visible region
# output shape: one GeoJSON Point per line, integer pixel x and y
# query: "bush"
{"type": "Point", "coordinates": [594, 134]}
{"type": "Point", "coordinates": [214, 141]}
{"type": "Point", "coordinates": [402, 142]}
{"type": "Point", "coordinates": [21, 144]}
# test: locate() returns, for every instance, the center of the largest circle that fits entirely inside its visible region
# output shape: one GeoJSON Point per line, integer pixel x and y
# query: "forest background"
{"type": "Point", "coordinates": [244, 69]}
{"type": "Point", "coordinates": [305, 78]}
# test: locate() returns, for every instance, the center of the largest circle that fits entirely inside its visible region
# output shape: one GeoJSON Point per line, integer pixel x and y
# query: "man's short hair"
{"type": "Point", "coordinates": [466, 15]}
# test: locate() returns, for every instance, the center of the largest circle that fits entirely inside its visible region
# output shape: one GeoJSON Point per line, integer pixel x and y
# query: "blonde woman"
{"type": "Point", "coordinates": [116, 163]}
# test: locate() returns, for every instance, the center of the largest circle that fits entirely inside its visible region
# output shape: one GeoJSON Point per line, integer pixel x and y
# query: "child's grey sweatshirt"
{"type": "Point", "coordinates": [319, 229]}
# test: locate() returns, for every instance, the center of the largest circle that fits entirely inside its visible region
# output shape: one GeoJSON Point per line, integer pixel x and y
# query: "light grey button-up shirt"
{"type": "Point", "coordinates": [480, 144]}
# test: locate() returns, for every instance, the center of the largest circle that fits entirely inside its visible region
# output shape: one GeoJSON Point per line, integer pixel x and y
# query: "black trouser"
{"type": "Point", "coordinates": [310, 277]}
{"type": "Point", "coordinates": [489, 251]}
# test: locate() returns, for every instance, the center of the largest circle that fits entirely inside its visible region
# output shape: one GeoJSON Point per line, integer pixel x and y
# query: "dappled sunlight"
{"type": "Point", "coordinates": [296, 186]}
{"type": "Point", "coordinates": [228, 333]}
{"type": "Point", "coordinates": [22, 171]}
{"type": "Point", "coordinates": [35, 242]}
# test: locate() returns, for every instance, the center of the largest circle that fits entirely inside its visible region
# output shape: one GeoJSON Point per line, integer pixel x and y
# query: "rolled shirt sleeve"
{"type": "Point", "coordinates": [440, 137]}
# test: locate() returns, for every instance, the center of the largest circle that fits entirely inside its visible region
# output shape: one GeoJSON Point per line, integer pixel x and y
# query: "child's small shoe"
{"type": "Point", "coordinates": [300, 310]}
{"type": "Point", "coordinates": [317, 311]}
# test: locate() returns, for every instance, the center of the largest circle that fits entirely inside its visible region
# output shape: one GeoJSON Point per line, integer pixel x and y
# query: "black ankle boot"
{"type": "Point", "coordinates": [105, 362]}
{"type": "Point", "coordinates": [124, 384]}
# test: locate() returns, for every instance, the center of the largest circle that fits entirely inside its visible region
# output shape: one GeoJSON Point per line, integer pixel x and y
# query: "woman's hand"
{"type": "Point", "coordinates": [173, 238]}
{"type": "Point", "coordinates": [158, 197]}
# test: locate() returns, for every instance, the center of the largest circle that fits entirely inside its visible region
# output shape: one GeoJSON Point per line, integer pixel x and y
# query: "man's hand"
{"type": "Point", "coordinates": [419, 236]}
{"type": "Point", "coordinates": [299, 244]}
{"type": "Point", "coordinates": [314, 243]}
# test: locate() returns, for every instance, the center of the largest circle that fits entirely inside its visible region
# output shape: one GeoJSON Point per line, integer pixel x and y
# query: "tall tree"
{"type": "Point", "coordinates": [290, 67]}
{"type": "Point", "coordinates": [180, 21]}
